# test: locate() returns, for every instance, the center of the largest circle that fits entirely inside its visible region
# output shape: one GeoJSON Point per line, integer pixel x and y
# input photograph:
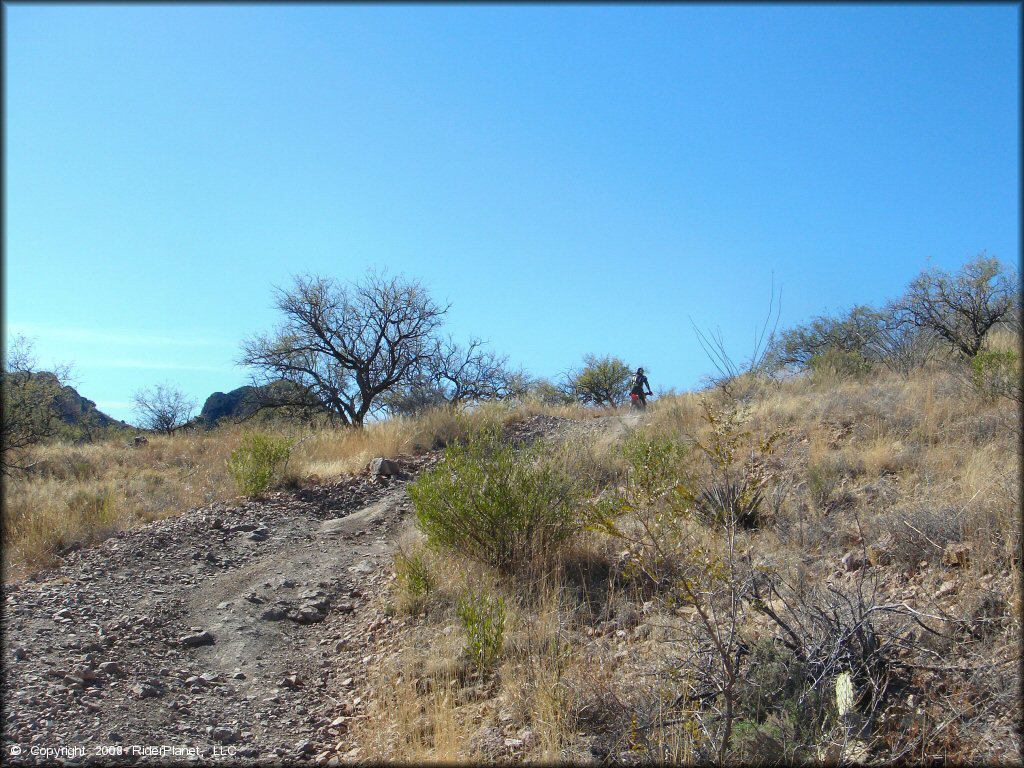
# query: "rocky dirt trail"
{"type": "Point", "coordinates": [231, 633]}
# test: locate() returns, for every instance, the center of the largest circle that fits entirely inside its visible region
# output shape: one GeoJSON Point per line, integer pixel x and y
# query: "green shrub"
{"type": "Point", "coordinates": [414, 576]}
{"type": "Point", "coordinates": [654, 463]}
{"type": "Point", "coordinates": [483, 618]}
{"type": "Point", "coordinates": [255, 463]}
{"type": "Point", "coordinates": [996, 373]}
{"type": "Point", "coordinates": [495, 505]}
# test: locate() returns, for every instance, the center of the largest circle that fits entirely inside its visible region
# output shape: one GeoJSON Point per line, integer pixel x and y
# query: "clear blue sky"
{"type": "Point", "coordinates": [572, 179]}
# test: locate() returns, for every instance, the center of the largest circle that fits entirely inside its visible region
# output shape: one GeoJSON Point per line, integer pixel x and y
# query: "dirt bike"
{"type": "Point", "coordinates": [635, 403]}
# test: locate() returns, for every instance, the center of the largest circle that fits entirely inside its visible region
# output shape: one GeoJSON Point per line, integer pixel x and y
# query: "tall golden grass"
{"type": "Point", "coordinates": [78, 495]}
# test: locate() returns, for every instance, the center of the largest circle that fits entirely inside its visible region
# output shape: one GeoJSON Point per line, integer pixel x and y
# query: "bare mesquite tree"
{"type": "Point", "coordinates": [961, 308]}
{"type": "Point", "coordinates": [342, 346]}
{"type": "Point", "coordinates": [471, 372]}
{"type": "Point", "coordinates": [452, 375]}
{"type": "Point", "coordinates": [853, 332]}
{"type": "Point", "coordinates": [30, 403]}
{"type": "Point", "coordinates": [165, 408]}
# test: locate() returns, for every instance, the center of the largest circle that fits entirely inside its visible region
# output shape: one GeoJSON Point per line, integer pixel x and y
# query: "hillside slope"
{"type": "Point", "coordinates": [860, 602]}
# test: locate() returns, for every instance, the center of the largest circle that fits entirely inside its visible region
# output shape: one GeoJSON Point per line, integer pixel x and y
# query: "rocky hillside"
{"type": "Point", "coordinates": [232, 406]}
{"type": "Point", "coordinates": [71, 408]}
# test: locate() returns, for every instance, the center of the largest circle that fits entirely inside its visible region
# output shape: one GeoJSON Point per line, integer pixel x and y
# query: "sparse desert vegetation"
{"type": "Point", "coordinates": [737, 564]}
{"type": "Point", "coordinates": [813, 559]}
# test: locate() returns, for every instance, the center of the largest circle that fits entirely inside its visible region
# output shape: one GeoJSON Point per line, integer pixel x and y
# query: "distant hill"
{"type": "Point", "coordinates": [242, 403]}
{"type": "Point", "coordinates": [71, 408]}
{"type": "Point", "coordinates": [234, 405]}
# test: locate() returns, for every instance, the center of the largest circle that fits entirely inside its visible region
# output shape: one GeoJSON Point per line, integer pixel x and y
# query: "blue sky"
{"type": "Point", "coordinates": [572, 179]}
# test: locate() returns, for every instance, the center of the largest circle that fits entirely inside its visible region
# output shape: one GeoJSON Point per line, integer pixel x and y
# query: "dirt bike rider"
{"type": "Point", "coordinates": [637, 386]}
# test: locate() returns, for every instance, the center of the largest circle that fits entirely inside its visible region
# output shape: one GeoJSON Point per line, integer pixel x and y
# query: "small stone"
{"type": "Point", "coordinates": [274, 614]}
{"type": "Point", "coordinates": [74, 683]}
{"type": "Point", "coordinates": [110, 667]}
{"type": "Point", "coordinates": [957, 555]}
{"type": "Point", "coordinates": [224, 735]}
{"type": "Point", "coordinates": [853, 560]}
{"type": "Point", "coordinates": [143, 691]}
{"type": "Point", "coordinates": [307, 614]}
{"type": "Point", "coordinates": [20, 654]}
{"type": "Point", "coordinates": [947, 588]}
{"type": "Point", "coordinates": [197, 639]}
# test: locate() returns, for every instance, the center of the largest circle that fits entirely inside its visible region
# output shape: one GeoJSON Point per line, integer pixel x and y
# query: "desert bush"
{"type": "Point", "coordinates": [654, 463]}
{"type": "Point", "coordinates": [823, 478]}
{"type": "Point", "coordinates": [996, 373]}
{"type": "Point", "coordinates": [483, 617]}
{"type": "Point", "coordinates": [549, 392]}
{"type": "Point", "coordinates": [830, 636]}
{"type": "Point", "coordinates": [836, 363]}
{"type": "Point", "coordinates": [920, 532]}
{"type": "Point", "coordinates": [415, 580]}
{"type": "Point", "coordinates": [650, 502]}
{"type": "Point", "coordinates": [30, 412]}
{"type": "Point", "coordinates": [739, 470]}
{"type": "Point", "coordinates": [255, 463]}
{"type": "Point", "coordinates": [495, 505]}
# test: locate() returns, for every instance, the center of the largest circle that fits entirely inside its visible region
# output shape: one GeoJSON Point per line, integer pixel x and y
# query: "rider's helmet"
{"type": "Point", "coordinates": [639, 370]}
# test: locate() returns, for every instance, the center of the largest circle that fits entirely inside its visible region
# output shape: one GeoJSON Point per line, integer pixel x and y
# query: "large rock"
{"type": "Point", "coordinates": [382, 467]}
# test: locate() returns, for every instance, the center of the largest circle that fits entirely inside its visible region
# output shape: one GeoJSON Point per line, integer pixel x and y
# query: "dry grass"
{"type": "Point", "coordinates": [597, 652]}
{"type": "Point", "coordinates": [81, 494]}
{"type": "Point", "coordinates": [900, 468]}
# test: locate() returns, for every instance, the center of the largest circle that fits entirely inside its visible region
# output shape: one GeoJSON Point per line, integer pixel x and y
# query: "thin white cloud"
{"type": "Point", "coordinates": [112, 338]}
